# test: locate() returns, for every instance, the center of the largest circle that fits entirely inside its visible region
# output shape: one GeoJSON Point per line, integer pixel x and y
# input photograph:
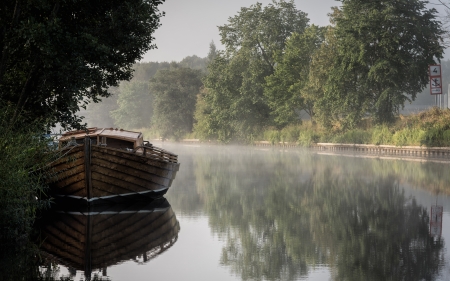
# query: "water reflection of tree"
{"type": "Point", "coordinates": [371, 230]}
{"type": "Point", "coordinates": [293, 212]}
{"type": "Point", "coordinates": [183, 195]}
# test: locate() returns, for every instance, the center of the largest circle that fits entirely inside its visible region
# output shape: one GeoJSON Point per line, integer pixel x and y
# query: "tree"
{"type": "Point", "coordinates": [285, 87]}
{"type": "Point", "coordinates": [57, 56]}
{"type": "Point", "coordinates": [319, 71]}
{"type": "Point", "coordinates": [135, 106]}
{"type": "Point", "coordinates": [212, 53]}
{"type": "Point", "coordinates": [194, 62]}
{"type": "Point", "coordinates": [386, 47]}
{"type": "Point", "coordinates": [236, 78]}
{"type": "Point", "coordinates": [336, 101]}
{"type": "Point", "coordinates": [175, 93]}
{"type": "Point", "coordinates": [99, 114]}
{"type": "Point", "coordinates": [144, 71]}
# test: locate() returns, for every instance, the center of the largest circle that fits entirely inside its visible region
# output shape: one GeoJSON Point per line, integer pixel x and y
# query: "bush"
{"type": "Point", "coordinates": [290, 134]}
{"type": "Point", "coordinates": [307, 138]}
{"type": "Point", "coordinates": [23, 152]}
{"type": "Point", "coordinates": [408, 136]}
{"type": "Point", "coordinates": [446, 138]}
{"type": "Point", "coordinates": [353, 136]}
{"type": "Point", "coordinates": [433, 137]}
{"type": "Point", "coordinates": [430, 128]}
{"type": "Point", "coordinates": [272, 135]}
{"type": "Point", "coordinates": [381, 135]}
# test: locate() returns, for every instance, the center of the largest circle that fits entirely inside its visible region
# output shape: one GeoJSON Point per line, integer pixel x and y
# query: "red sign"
{"type": "Point", "coordinates": [435, 79]}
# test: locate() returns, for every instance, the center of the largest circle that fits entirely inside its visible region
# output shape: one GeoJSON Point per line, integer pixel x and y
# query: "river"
{"type": "Point", "coordinates": [249, 213]}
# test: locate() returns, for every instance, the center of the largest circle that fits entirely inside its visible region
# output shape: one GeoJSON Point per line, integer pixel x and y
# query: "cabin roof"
{"type": "Point", "coordinates": [103, 132]}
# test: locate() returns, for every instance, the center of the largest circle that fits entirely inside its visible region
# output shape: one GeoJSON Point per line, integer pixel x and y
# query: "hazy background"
{"type": "Point", "coordinates": [189, 26]}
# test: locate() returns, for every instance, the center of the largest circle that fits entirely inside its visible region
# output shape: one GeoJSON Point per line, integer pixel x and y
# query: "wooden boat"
{"type": "Point", "coordinates": [96, 237]}
{"type": "Point", "coordinates": [100, 163]}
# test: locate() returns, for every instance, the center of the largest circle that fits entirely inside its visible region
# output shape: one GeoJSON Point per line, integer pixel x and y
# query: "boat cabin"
{"type": "Point", "coordinates": [109, 137]}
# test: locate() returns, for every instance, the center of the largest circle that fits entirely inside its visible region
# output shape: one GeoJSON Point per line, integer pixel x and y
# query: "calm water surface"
{"type": "Point", "coordinates": [243, 213]}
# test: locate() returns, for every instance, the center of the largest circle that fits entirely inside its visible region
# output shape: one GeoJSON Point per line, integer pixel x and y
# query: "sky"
{"type": "Point", "coordinates": [189, 26]}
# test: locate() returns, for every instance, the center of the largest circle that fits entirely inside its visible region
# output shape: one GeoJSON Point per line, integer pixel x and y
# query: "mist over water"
{"type": "Point", "coordinates": [247, 213]}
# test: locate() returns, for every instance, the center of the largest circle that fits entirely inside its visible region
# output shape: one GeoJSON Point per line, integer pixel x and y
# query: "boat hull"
{"type": "Point", "coordinates": [92, 172]}
{"type": "Point", "coordinates": [101, 236]}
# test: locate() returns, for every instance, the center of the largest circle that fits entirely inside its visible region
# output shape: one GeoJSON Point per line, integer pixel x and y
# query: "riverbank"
{"type": "Point", "coordinates": [388, 152]}
{"type": "Point", "coordinates": [421, 133]}
{"type": "Point", "coordinates": [364, 148]}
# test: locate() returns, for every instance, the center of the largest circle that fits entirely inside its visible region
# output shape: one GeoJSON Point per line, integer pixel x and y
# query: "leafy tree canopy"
{"type": "Point", "coordinates": [212, 53]}
{"type": "Point", "coordinates": [286, 86]}
{"type": "Point", "coordinates": [386, 47]}
{"type": "Point", "coordinates": [175, 93]}
{"type": "Point", "coordinates": [194, 62]}
{"type": "Point", "coordinates": [59, 55]}
{"type": "Point", "coordinates": [99, 114]}
{"type": "Point", "coordinates": [135, 106]}
{"type": "Point", "coordinates": [236, 77]}
{"type": "Point", "coordinates": [263, 30]}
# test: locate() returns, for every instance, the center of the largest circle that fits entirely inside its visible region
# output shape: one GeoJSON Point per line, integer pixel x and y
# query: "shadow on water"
{"type": "Point", "coordinates": [89, 239]}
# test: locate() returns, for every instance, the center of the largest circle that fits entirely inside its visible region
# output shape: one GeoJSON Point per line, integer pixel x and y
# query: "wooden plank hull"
{"type": "Point", "coordinates": [96, 172]}
{"type": "Point", "coordinates": [99, 238]}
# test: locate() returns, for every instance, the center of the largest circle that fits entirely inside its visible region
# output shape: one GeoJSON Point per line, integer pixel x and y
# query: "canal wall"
{"type": "Point", "coordinates": [417, 151]}
{"type": "Point", "coordinates": [412, 151]}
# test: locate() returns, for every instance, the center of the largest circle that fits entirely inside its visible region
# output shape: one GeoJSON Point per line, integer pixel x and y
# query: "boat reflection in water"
{"type": "Point", "coordinates": [91, 238]}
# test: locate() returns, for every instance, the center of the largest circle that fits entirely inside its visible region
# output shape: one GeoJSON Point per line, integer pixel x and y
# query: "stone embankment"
{"type": "Point", "coordinates": [418, 151]}
{"type": "Point", "coordinates": [412, 151]}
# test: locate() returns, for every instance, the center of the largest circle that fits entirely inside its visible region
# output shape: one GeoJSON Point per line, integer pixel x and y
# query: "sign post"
{"type": "Point", "coordinates": [435, 79]}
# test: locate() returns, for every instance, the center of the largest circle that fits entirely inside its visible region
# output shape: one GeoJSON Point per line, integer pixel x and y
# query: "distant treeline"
{"type": "Point", "coordinates": [277, 71]}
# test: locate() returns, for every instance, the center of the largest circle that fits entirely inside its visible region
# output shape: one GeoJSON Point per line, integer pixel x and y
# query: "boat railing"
{"type": "Point", "coordinates": [157, 153]}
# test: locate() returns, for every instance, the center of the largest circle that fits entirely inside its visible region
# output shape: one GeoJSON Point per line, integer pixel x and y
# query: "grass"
{"type": "Point", "coordinates": [429, 128]}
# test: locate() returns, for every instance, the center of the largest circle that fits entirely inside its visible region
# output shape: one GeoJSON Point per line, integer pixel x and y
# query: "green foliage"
{"type": "Point", "coordinates": [194, 62]}
{"type": "Point", "coordinates": [433, 118]}
{"type": "Point", "coordinates": [381, 135]}
{"type": "Point", "coordinates": [356, 136]}
{"type": "Point", "coordinates": [175, 92]}
{"type": "Point", "coordinates": [234, 105]}
{"type": "Point", "coordinates": [202, 117]}
{"type": "Point", "coordinates": [99, 114]}
{"type": "Point", "coordinates": [285, 88]}
{"type": "Point", "coordinates": [308, 137]}
{"type": "Point", "coordinates": [212, 53]}
{"type": "Point", "coordinates": [317, 78]}
{"type": "Point", "coordinates": [446, 138]}
{"type": "Point", "coordinates": [409, 136]}
{"type": "Point", "coordinates": [427, 128]}
{"type": "Point", "coordinates": [144, 71]}
{"type": "Point", "coordinates": [22, 155]}
{"type": "Point", "coordinates": [430, 128]}
{"type": "Point", "coordinates": [57, 57]}
{"type": "Point", "coordinates": [237, 108]}
{"type": "Point", "coordinates": [290, 133]}
{"type": "Point", "coordinates": [385, 47]}
{"type": "Point", "coordinates": [433, 137]}
{"type": "Point", "coordinates": [272, 135]}
{"type": "Point", "coordinates": [135, 106]}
